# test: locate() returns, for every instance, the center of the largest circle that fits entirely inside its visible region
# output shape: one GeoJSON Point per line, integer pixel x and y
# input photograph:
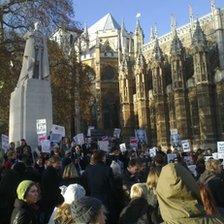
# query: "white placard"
{"type": "Point", "coordinates": [41, 126]}
{"type": "Point", "coordinates": [41, 138]}
{"type": "Point", "coordinates": [46, 146]}
{"type": "Point", "coordinates": [220, 146]}
{"type": "Point", "coordinates": [186, 145]}
{"type": "Point", "coordinates": [123, 147]}
{"type": "Point", "coordinates": [221, 156]}
{"type": "Point", "coordinates": [117, 132]}
{"type": "Point", "coordinates": [173, 131]}
{"type": "Point", "coordinates": [89, 130]}
{"type": "Point", "coordinates": [215, 155]}
{"type": "Point", "coordinates": [152, 152]}
{"type": "Point", "coordinates": [57, 129]}
{"type": "Point", "coordinates": [5, 142]}
{"type": "Point", "coordinates": [104, 145]}
{"type": "Point", "coordinates": [79, 139]}
{"type": "Point", "coordinates": [171, 156]}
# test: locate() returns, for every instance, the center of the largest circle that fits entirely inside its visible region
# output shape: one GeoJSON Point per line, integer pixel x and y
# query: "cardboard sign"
{"type": "Point", "coordinates": [220, 147]}
{"type": "Point", "coordinates": [89, 130]}
{"type": "Point", "coordinates": [57, 129]}
{"type": "Point", "coordinates": [215, 155]}
{"type": "Point", "coordinates": [55, 138]}
{"type": "Point", "coordinates": [46, 146]}
{"type": "Point", "coordinates": [104, 145]}
{"type": "Point", "coordinates": [152, 152]}
{"type": "Point", "coordinates": [188, 160]}
{"type": "Point", "coordinates": [133, 142]}
{"type": "Point", "coordinates": [79, 139]}
{"type": "Point", "coordinates": [173, 131]}
{"type": "Point", "coordinates": [117, 133]}
{"type": "Point", "coordinates": [140, 134]}
{"type": "Point", "coordinates": [221, 156]}
{"type": "Point", "coordinates": [5, 142]}
{"type": "Point", "coordinates": [175, 139]}
{"type": "Point", "coordinates": [171, 156]}
{"type": "Point", "coordinates": [41, 138]}
{"type": "Point", "coordinates": [123, 147]}
{"type": "Point", "coordinates": [41, 126]}
{"type": "Point", "coordinates": [186, 145]}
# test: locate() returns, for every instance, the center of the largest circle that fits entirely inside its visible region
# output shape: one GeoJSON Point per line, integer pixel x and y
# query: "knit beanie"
{"type": "Point", "coordinates": [73, 193]}
{"type": "Point", "coordinates": [23, 188]}
{"type": "Point", "coordinates": [85, 209]}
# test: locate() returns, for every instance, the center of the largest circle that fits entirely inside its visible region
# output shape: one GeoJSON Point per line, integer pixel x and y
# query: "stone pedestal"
{"type": "Point", "coordinates": [30, 101]}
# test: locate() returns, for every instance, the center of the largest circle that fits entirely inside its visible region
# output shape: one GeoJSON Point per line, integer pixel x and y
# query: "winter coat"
{"type": "Point", "coordinates": [23, 213]}
{"type": "Point", "coordinates": [138, 211]}
{"type": "Point", "coordinates": [179, 199]}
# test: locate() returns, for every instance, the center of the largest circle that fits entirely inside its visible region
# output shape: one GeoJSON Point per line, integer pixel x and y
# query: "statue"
{"type": "Point", "coordinates": [35, 59]}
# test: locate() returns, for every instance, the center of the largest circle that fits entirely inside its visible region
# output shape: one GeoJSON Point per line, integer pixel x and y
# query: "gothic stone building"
{"type": "Point", "coordinates": [175, 81]}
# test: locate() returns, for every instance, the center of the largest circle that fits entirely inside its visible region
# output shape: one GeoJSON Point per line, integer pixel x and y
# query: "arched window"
{"type": "Point", "coordinates": [108, 73]}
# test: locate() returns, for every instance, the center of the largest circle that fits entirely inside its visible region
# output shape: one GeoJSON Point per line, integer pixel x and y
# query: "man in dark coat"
{"type": "Point", "coordinates": [51, 193]}
{"type": "Point", "coordinates": [99, 181]}
{"type": "Point", "coordinates": [8, 185]}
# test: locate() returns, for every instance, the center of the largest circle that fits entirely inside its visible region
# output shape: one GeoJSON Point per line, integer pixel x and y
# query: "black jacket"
{"type": "Point", "coordinates": [23, 213]}
{"type": "Point", "coordinates": [137, 212]}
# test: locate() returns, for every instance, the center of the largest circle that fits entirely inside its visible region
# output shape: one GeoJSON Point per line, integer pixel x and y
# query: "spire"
{"type": "Point", "coordinates": [213, 5]}
{"type": "Point", "coordinates": [153, 33]}
{"type": "Point", "coordinates": [191, 16]}
{"type": "Point", "coordinates": [173, 25]}
{"type": "Point", "coordinates": [85, 33]}
{"type": "Point", "coordinates": [138, 26]}
{"type": "Point", "coordinates": [157, 52]}
{"type": "Point", "coordinates": [198, 36]}
{"type": "Point", "coordinates": [140, 61]}
{"type": "Point", "coordinates": [176, 45]}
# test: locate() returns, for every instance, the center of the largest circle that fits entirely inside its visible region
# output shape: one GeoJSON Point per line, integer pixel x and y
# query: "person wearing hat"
{"type": "Point", "coordinates": [62, 214]}
{"type": "Point", "coordinates": [27, 196]}
{"type": "Point", "coordinates": [88, 210]}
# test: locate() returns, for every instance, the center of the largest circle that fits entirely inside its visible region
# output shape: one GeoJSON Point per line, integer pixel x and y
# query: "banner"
{"type": "Point", "coordinates": [57, 129]}
{"type": "Point", "coordinates": [41, 126]}
{"type": "Point", "coordinates": [5, 142]}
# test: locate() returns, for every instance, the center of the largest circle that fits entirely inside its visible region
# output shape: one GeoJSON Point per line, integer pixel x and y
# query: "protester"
{"type": "Point", "coordinates": [88, 210]}
{"type": "Point", "coordinates": [62, 214]}
{"type": "Point", "coordinates": [179, 197]}
{"type": "Point", "coordinates": [138, 210]}
{"type": "Point", "coordinates": [28, 195]}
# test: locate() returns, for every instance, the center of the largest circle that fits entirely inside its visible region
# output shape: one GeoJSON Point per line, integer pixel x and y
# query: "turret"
{"type": "Point", "coordinates": [138, 38]}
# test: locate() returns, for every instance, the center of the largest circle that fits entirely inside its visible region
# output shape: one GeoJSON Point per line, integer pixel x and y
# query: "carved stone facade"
{"type": "Point", "coordinates": [172, 82]}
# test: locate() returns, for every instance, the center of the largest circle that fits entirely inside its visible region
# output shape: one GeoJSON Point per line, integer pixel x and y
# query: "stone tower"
{"type": "Point", "coordinates": [202, 78]}
{"type": "Point", "coordinates": [159, 92]}
{"type": "Point", "coordinates": [178, 84]}
{"type": "Point", "coordinates": [138, 39]}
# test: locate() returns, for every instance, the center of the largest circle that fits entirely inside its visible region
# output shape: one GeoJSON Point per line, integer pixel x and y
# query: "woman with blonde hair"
{"type": "Point", "coordinates": [70, 175]}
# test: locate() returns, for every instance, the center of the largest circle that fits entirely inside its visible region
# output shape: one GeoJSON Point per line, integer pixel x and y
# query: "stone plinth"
{"type": "Point", "coordinates": [30, 101]}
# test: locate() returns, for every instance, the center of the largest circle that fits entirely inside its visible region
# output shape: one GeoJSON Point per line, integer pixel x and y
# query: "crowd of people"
{"type": "Point", "coordinates": [76, 184]}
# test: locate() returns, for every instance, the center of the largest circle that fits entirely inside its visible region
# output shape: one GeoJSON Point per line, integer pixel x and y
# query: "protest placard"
{"type": "Point", "coordinates": [133, 142]}
{"type": "Point", "coordinates": [41, 137]}
{"type": "Point", "coordinates": [57, 129]}
{"type": "Point", "coordinates": [215, 155]}
{"type": "Point", "coordinates": [5, 142]}
{"type": "Point", "coordinates": [140, 134]}
{"type": "Point", "coordinates": [220, 147]}
{"type": "Point", "coordinates": [79, 139]}
{"type": "Point", "coordinates": [117, 132]}
{"type": "Point", "coordinates": [171, 157]}
{"type": "Point", "coordinates": [152, 152]}
{"type": "Point", "coordinates": [186, 145]}
{"type": "Point", "coordinates": [55, 138]}
{"type": "Point", "coordinates": [104, 145]}
{"type": "Point", "coordinates": [46, 146]}
{"type": "Point", "coordinates": [41, 126]}
{"type": "Point", "coordinates": [123, 147]}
